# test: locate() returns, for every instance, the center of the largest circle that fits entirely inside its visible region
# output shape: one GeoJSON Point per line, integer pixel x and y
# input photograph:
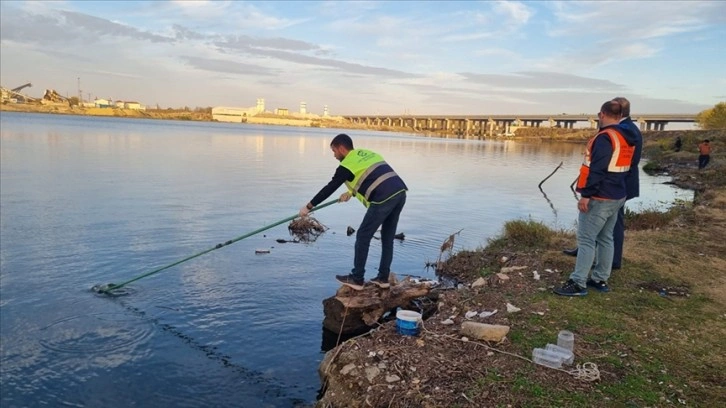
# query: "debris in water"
{"type": "Point", "coordinates": [262, 251]}
{"type": "Point", "coordinates": [284, 241]}
{"type": "Point", "coordinates": [306, 229]}
{"type": "Point", "coordinates": [350, 231]}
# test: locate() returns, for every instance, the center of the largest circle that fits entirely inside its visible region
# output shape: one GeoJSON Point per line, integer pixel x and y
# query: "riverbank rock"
{"type": "Point", "coordinates": [483, 331]}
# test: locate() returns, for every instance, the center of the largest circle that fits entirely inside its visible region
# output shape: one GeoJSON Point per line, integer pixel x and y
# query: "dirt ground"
{"type": "Point", "coordinates": [655, 339]}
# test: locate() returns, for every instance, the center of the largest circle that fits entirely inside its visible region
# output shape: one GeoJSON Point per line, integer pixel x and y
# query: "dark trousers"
{"type": "Point", "coordinates": [618, 237]}
{"type": "Point", "coordinates": [384, 215]}
{"type": "Point", "coordinates": [703, 160]}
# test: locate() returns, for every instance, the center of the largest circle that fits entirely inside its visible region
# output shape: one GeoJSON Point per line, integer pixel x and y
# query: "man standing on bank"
{"type": "Point", "coordinates": [704, 154]}
{"type": "Point", "coordinates": [602, 190]}
{"type": "Point", "coordinates": [632, 181]}
{"type": "Point", "coordinates": [632, 178]}
{"type": "Point", "coordinates": [372, 181]}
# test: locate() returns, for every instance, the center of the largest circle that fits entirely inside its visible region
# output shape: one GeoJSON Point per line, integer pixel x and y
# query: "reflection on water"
{"type": "Point", "coordinates": [96, 200]}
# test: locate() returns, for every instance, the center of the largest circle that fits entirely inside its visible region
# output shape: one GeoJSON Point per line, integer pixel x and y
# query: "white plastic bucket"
{"type": "Point", "coordinates": [408, 323]}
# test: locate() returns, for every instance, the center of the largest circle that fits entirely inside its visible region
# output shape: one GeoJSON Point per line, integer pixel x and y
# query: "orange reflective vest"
{"type": "Point", "coordinates": [620, 161]}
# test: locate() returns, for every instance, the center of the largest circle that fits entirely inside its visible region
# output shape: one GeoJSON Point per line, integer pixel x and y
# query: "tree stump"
{"type": "Point", "coordinates": [357, 311]}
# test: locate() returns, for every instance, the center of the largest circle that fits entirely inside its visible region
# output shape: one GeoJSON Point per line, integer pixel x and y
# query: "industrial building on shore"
{"type": "Point", "coordinates": [246, 115]}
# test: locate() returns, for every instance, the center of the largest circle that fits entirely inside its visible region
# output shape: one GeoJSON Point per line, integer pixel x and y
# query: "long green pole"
{"type": "Point", "coordinates": [112, 286]}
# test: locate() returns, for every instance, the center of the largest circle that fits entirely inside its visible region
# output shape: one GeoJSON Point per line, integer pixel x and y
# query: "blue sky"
{"type": "Point", "coordinates": [471, 57]}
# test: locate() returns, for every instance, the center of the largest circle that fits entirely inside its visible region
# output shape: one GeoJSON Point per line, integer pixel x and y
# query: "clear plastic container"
{"type": "Point", "coordinates": [546, 358]}
{"type": "Point", "coordinates": [566, 339]}
{"type": "Point", "coordinates": [567, 356]}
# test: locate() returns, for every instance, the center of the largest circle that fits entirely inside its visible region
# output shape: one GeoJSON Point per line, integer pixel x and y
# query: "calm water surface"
{"type": "Point", "coordinates": [96, 200]}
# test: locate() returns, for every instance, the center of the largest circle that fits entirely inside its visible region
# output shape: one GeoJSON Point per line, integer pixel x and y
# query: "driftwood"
{"type": "Point", "coordinates": [356, 311]}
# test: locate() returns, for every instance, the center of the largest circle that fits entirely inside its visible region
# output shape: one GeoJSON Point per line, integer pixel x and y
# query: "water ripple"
{"type": "Point", "coordinates": [97, 333]}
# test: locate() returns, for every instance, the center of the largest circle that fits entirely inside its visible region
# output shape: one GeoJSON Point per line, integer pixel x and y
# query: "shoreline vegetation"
{"type": "Point", "coordinates": [656, 339]}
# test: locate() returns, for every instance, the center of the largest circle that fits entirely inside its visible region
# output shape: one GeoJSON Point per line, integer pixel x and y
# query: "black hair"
{"type": "Point", "coordinates": [342, 140]}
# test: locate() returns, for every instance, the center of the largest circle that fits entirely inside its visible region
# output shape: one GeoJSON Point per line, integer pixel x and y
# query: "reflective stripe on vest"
{"type": "Point", "coordinates": [619, 162]}
{"type": "Point", "coordinates": [362, 163]}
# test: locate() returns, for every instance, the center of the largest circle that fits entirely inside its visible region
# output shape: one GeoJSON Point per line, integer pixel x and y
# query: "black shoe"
{"type": "Point", "coordinates": [348, 280]}
{"type": "Point", "coordinates": [601, 286]}
{"type": "Point", "coordinates": [570, 288]}
{"type": "Point", "coordinates": [570, 252]}
{"type": "Point", "coordinates": [381, 283]}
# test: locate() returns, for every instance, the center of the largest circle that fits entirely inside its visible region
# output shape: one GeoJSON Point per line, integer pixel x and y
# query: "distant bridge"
{"type": "Point", "coordinates": [486, 124]}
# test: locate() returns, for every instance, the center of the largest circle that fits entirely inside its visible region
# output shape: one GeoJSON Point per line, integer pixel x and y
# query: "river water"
{"type": "Point", "coordinates": [88, 201]}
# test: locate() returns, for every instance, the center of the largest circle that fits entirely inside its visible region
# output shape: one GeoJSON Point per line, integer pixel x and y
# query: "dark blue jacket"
{"type": "Point", "coordinates": [630, 131]}
{"type": "Point", "coordinates": [381, 193]}
{"type": "Point", "coordinates": [600, 182]}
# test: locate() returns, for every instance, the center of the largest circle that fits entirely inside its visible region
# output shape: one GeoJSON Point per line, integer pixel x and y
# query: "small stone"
{"type": "Point", "coordinates": [372, 373]}
{"type": "Point", "coordinates": [347, 369]}
{"type": "Point", "coordinates": [464, 339]}
{"type": "Point", "coordinates": [483, 331]}
{"type": "Point", "coordinates": [447, 322]}
{"type": "Point", "coordinates": [512, 309]}
{"type": "Point", "coordinates": [504, 259]}
{"type": "Point", "coordinates": [392, 378]}
{"type": "Point", "coordinates": [479, 283]}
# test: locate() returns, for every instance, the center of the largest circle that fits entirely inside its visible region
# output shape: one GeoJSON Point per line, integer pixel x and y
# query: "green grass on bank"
{"type": "Point", "coordinates": [652, 350]}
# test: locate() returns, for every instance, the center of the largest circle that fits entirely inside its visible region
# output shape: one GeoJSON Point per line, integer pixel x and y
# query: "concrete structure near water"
{"type": "Point", "coordinates": [487, 124]}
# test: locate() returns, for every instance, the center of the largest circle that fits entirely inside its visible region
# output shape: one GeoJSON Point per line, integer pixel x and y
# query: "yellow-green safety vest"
{"type": "Point", "coordinates": [361, 163]}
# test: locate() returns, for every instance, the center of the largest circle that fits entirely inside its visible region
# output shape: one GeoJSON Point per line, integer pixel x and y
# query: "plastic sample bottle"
{"type": "Point", "coordinates": [546, 358]}
{"type": "Point", "coordinates": [567, 356]}
{"type": "Point", "coordinates": [566, 339]}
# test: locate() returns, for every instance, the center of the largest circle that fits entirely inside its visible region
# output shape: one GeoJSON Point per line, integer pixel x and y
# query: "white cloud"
{"type": "Point", "coordinates": [632, 20]}
{"type": "Point", "coordinates": [517, 13]}
{"type": "Point", "coordinates": [458, 58]}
